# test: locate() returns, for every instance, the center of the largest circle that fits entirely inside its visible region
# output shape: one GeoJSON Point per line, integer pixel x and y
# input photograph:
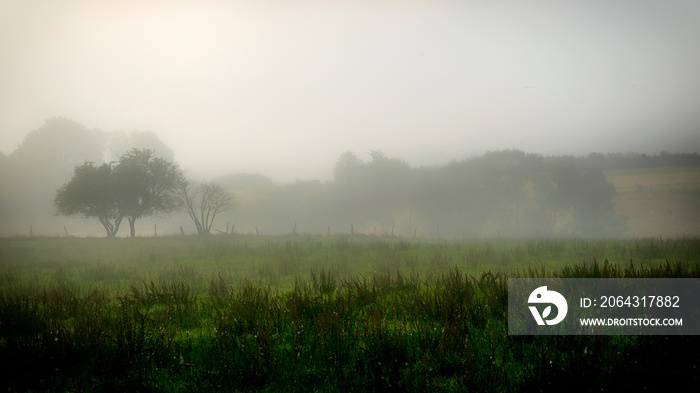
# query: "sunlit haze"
{"type": "Point", "coordinates": [283, 88]}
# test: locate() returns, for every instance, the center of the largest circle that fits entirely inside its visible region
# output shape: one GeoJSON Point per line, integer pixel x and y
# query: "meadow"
{"type": "Point", "coordinates": [663, 200]}
{"type": "Point", "coordinates": [318, 313]}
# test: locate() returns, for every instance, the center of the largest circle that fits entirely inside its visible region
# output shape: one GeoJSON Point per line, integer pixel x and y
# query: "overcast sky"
{"type": "Point", "coordinates": [284, 87]}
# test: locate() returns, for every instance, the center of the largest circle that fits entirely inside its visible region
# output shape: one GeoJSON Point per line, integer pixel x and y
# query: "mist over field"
{"type": "Point", "coordinates": [436, 119]}
{"type": "Point", "coordinates": [334, 196]}
{"type": "Point", "coordinates": [55, 186]}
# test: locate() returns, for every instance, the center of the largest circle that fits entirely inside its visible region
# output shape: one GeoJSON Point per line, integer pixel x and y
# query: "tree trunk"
{"type": "Point", "coordinates": [107, 225]}
{"type": "Point", "coordinates": [132, 226]}
{"type": "Point", "coordinates": [111, 228]}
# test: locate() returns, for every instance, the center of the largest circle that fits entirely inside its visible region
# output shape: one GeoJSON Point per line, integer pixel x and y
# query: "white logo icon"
{"type": "Point", "coordinates": [542, 295]}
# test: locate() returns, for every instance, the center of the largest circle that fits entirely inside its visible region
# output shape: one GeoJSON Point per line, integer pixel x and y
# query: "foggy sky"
{"type": "Point", "coordinates": [283, 88]}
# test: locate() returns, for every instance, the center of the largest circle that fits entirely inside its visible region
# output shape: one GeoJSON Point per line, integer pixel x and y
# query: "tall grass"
{"type": "Point", "coordinates": [171, 323]}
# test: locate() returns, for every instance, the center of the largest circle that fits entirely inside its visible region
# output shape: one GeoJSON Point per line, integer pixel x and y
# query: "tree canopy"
{"type": "Point", "coordinates": [146, 185]}
{"type": "Point", "coordinates": [91, 194]}
{"type": "Point", "coordinates": [140, 185]}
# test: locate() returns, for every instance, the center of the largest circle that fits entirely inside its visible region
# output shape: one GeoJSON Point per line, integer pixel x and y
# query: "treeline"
{"type": "Point", "coordinates": [502, 193]}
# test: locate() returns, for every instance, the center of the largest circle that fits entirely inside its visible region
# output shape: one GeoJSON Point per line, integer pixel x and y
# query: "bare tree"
{"type": "Point", "coordinates": [203, 202]}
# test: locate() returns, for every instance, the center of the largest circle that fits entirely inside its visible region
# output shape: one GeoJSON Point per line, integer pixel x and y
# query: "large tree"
{"type": "Point", "coordinates": [47, 156]}
{"type": "Point", "coordinates": [203, 202]}
{"type": "Point", "coordinates": [91, 193]}
{"type": "Point", "coordinates": [146, 185]}
{"type": "Point", "coordinates": [140, 185]}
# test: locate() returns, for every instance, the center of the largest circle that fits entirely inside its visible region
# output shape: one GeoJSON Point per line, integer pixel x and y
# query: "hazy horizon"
{"type": "Point", "coordinates": [282, 89]}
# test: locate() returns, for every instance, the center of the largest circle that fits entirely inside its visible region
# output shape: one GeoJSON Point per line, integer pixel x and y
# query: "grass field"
{"type": "Point", "coordinates": [658, 201]}
{"type": "Point", "coordinates": [655, 179]}
{"type": "Point", "coordinates": [317, 313]}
